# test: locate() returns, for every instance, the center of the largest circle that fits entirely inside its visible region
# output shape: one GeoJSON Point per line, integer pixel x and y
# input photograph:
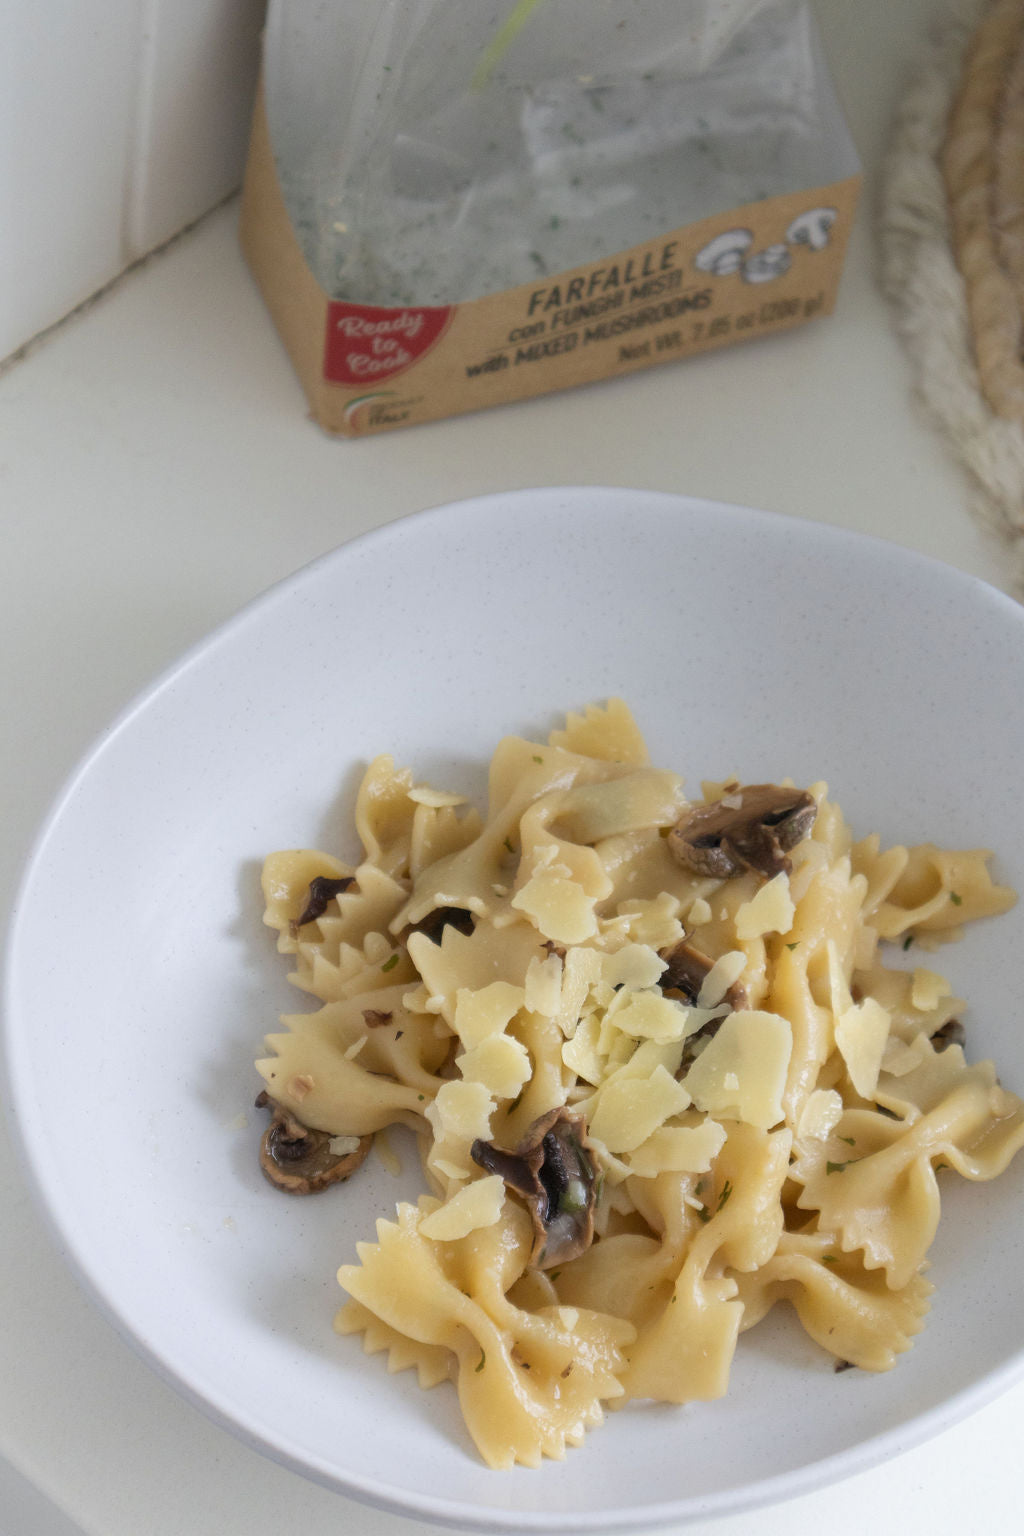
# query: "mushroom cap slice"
{"type": "Point", "coordinates": [300, 1160]}
{"type": "Point", "coordinates": [556, 1171]}
{"type": "Point", "coordinates": [754, 828]}
{"type": "Point", "coordinates": [686, 969]}
{"type": "Point", "coordinates": [684, 975]}
{"type": "Point", "coordinates": [322, 890]}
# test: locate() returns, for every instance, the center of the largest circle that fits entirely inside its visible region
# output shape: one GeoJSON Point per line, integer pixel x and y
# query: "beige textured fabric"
{"type": "Point", "coordinates": [952, 237]}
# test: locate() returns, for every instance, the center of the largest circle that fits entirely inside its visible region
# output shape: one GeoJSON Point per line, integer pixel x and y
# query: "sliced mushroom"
{"type": "Point", "coordinates": [322, 890]}
{"type": "Point", "coordinates": [300, 1160]}
{"type": "Point", "coordinates": [555, 1170]}
{"type": "Point", "coordinates": [682, 979]}
{"type": "Point", "coordinates": [686, 971]}
{"type": "Point", "coordinates": [435, 922]}
{"type": "Point", "coordinates": [950, 1033]}
{"type": "Point", "coordinates": [752, 829]}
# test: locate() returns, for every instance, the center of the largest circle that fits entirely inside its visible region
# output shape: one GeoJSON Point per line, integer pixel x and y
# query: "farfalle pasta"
{"type": "Point", "coordinates": [664, 1071]}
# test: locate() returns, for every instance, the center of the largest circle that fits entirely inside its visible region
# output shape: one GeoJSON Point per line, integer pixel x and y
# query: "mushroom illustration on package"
{"type": "Point", "coordinates": [450, 205]}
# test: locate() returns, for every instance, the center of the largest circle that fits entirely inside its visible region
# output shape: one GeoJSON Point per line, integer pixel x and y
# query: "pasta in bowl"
{"type": "Point", "coordinates": [745, 642]}
{"type": "Point", "coordinates": [670, 1062]}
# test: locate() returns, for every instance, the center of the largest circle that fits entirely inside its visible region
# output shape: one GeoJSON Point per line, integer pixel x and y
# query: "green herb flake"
{"type": "Point", "coordinates": [537, 758]}
{"type": "Point", "coordinates": [389, 965]}
{"type": "Point", "coordinates": [704, 1214]}
{"type": "Point", "coordinates": [957, 901]}
{"type": "Point", "coordinates": [483, 1361]}
{"type": "Point", "coordinates": [574, 1197]}
{"type": "Point", "coordinates": [835, 1167]}
{"type": "Point", "coordinates": [724, 1196]}
{"type": "Point", "coordinates": [850, 1140]}
{"type": "Point", "coordinates": [794, 945]}
{"type": "Point", "coordinates": [908, 941]}
{"type": "Point", "coordinates": [829, 1258]}
{"type": "Point", "coordinates": [554, 1274]}
{"type": "Point", "coordinates": [508, 845]}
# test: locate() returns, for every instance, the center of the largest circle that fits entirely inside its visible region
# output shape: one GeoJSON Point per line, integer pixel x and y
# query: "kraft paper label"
{"type": "Point", "coordinates": [751, 272]}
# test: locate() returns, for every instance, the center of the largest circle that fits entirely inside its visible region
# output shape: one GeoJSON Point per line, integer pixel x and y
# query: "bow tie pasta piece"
{"type": "Point", "coordinates": [687, 1351]}
{"type": "Point", "coordinates": [660, 1067]}
{"type": "Point", "coordinates": [881, 1196]}
{"type": "Point", "coordinates": [929, 890]}
{"type": "Point", "coordinates": [848, 1310]}
{"type": "Point", "coordinates": [528, 1383]}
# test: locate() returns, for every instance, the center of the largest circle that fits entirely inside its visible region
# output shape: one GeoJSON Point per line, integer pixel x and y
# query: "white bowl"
{"type": "Point", "coordinates": [140, 979]}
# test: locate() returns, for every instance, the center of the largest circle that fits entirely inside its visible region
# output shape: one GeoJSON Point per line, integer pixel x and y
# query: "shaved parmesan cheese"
{"type": "Point", "coordinates": [820, 1114]}
{"type": "Point", "coordinates": [678, 1149]}
{"type": "Point", "coordinates": [582, 968]}
{"type": "Point", "coordinates": [581, 1054]}
{"type": "Point", "coordinates": [634, 965]}
{"type": "Point", "coordinates": [654, 923]}
{"type": "Point", "coordinates": [770, 910]}
{"type": "Point", "coordinates": [727, 969]}
{"type": "Point", "coordinates": [861, 1033]}
{"type": "Point", "coordinates": [461, 1111]}
{"type": "Point", "coordinates": [486, 1011]}
{"type": "Point", "coordinates": [699, 913]}
{"type": "Point", "coordinates": [459, 1173]}
{"type": "Point", "coordinates": [650, 1016]}
{"type": "Point", "coordinates": [899, 1058]}
{"type": "Point", "coordinates": [558, 908]}
{"type": "Point", "coordinates": [475, 1205]}
{"type": "Point", "coordinates": [648, 1055]}
{"type": "Point", "coordinates": [343, 1146]}
{"type": "Point", "coordinates": [543, 989]}
{"type": "Point", "coordinates": [500, 1063]}
{"type": "Point", "coordinates": [754, 1049]}
{"type": "Point", "coordinates": [629, 1109]}
{"type": "Point", "coordinates": [927, 989]}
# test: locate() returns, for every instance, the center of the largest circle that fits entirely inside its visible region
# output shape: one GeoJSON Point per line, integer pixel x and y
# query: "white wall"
{"type": "Point", "coordinates": [120, 122]}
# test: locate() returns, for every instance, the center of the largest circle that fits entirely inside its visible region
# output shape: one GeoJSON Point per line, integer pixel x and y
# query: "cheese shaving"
{"type": "Point", "coordinates": [475, 1205]}
{"type": "Point", "coordinates": [861, 1033]}
{"type": "Point", "coordinates": [927, 989]}
{"type": "Point", "coordinates": [752, 1051]}
{"type": "Point", "coordinates": [727, 969]}
{"type": "Point", "coordinates": [770, 910]}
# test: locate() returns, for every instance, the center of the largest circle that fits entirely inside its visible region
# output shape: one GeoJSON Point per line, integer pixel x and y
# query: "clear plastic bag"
{"type": "Point", "coordinates": [434, 151]}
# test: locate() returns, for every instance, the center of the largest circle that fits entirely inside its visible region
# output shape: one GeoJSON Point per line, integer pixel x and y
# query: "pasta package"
{"type": "Point", "coordinates": [448, 204]}
{"type": "Point", "coordinates": [669, 1061]}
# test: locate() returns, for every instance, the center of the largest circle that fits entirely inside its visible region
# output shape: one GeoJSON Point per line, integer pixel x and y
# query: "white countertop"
{"type": "Point", "coordinates": [156, 471]}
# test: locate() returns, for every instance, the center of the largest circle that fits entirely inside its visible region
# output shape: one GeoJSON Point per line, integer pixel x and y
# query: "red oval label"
{"type": "Point", "coordinates": [365, 344]}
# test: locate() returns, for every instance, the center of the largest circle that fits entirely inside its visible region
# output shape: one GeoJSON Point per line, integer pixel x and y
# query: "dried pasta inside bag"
{"type": "Point", "coordinates": [549, 133]}
{"type": "Point", "coordinates": [668, 1063]}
